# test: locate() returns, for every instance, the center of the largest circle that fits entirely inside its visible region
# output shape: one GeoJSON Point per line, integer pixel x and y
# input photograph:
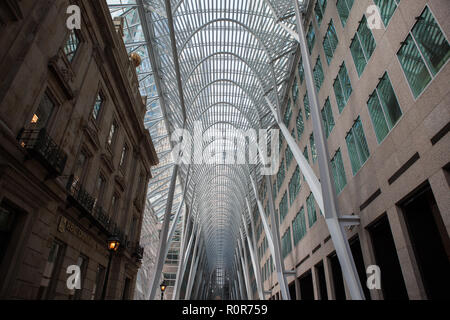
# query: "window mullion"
{"type": "Point", "coordinates": [425, 62]}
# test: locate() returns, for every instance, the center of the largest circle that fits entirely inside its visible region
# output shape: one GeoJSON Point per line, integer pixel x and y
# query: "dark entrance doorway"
{"type": "Point", "coordinates": [306, 286]}
{"type": "Point", "coordinates": [430, 242]}
{"type": "Point", "coordinates": [392, 283]}
{"type": "Point", "coordinates": [322, 282]}
{"type": "Point", "coordinates": [338, 281]}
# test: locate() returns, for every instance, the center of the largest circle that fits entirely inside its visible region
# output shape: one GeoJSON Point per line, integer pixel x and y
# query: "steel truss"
{"type": "Point", "coordinates": [223, 64]}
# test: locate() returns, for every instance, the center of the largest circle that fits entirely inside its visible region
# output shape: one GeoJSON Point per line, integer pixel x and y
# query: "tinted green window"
{"type": "Point", "coordinates": [318, 74]}
{"type": "Point", "coordinates": [383, 108]}
{"type": "Point", "coordinates": [387, 8]}
{"type": "Point", "coordinates": [310, 37]}
{"type": "Point", "coordinates": [421, 62]}
{"type": "Point", "coordinates": [274, 189]}
{"type": "Point", "coordinates": [97, 106]}
{"type": "Point", "coordinates": [431, 41]}
{"type": "Point", "coordinates": [283, 207]}
{"type": "Point", "coordinates": [301, 71]}
{"type": "Point", "coordinates": [299, 226]}
{"type": "Point", "coordinates": [318, 13]}
{"type": "Point", "coordinates": [305, 153]}
{"type": "Point", "coordinates": [306, 104]}
{"type": "Point", "coordinates": [300, 124]}
{"type": "Point", "coordinates": [288, 156]}
{"type": "Point", "coordinates": [362, 46]}
{"type": "Point", "coordinates": [294, 185]}
{"type": "Point", "coordinates": [327, 117]}
{"type": "Point", "coordinates": [330, 42]}
{"type": "Point", "coordinates": [286, 243]}
{"type": "Point", "coordinates": [344, 7]}
{"type": "Point", "coordinates": [311, 206]}
{"type": "Point", "coordinates": [295, 90]}
{"type": "Point", "coordinates": [342, 87]}
{"type": "Point", "coordinates": [287, 114]}
{"type": "Point", "coordinates": [358, 149]}
{"type": "Point", "coordinates": [337, 167]}
{"type": "Point", "coordinates": [280, 175]}
{"type": "Point", "coordinates": [313, 147]}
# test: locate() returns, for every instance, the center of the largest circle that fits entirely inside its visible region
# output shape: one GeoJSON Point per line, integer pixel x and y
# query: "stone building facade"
{"type": "Point", "coordinates": [385, 100]}
{"type": "Point", "coordinates": [75, 158]}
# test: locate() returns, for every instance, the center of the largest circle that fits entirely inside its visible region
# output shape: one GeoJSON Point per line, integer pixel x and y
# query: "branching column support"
{"type": "Point", "coordinates": [335, 228]}
{"type": "Point", "coordinates": [163, 236]}
{"type": "Point", "coordinates": [244, 263]}
{"type": "Point", "coordinates": [253, 255]}
{"type": "Point", "coordinates": [273, 242]}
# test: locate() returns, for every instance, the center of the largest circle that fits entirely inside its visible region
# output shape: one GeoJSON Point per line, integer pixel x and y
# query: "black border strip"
{"type": "Point", "coordinates": [366, 203]}
{"type": "Point", "coordinates": [403, 168]}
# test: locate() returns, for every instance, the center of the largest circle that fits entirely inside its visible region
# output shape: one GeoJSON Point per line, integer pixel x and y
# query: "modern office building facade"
{"type": "Point", "coordinates": [75, 157]}
{"type": "Point", "coordinates": [384, 99]}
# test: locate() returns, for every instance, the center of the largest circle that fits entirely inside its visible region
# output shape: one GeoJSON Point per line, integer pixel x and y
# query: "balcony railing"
{"type": "Point", "coordinates": [89, 208]}
{"type": "Point", "coordinates": [40, 146]}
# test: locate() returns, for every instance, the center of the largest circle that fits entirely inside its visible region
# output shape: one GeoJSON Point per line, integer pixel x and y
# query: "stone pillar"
{"type": "Point", "coordinates": [407, 260]}
{"type": "Point", "coordinates": [440, 186]}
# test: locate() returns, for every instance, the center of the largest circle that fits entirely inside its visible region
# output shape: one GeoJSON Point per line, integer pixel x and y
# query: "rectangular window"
{"type": "Point", "coordinates": [98, 284]}
{"type": "Point", "coordinates": [100, 190]}
{"type": "Point", "coordinates": [288, 156]}
{"type": "Point", "coordinates": [112, 133]}
{"type": "Point", "coordinates": [280, 175]}
{"type": "Point", "coordinates": [311, 206]}
{"type": "Point", "coordinates": [387, 8]}
{"type": "Point", "coordinates": [358, 149]}
{"type": "Point", "coordinates": [169, 278]}
{"type": "Point", "coordinates": [294, 185]}
{"type": "Point", "coordinates": [306, 104]}
{"type": "Point", "coordinates": [286, 243]}
{"type": "Point", "coordinates": [51, 271]}
{"type": "Point", "coordinates": [318, 13]}
{"type": "Point", "coordinates": [72, 44]}
{"type": "Point", "coordinates": [327, 117]}
{"type": "Point", "coordinates": [299, 226]}
{"type": "Point", "coordinates": [424, 52]}
{"type": "Point", "coordinates": [318, 74]}
{"type": "Point", "coordinates": [342, 87]}
{"type": "Point", "coordinates": [82, 262]}
{"type": "Point", "coordinates": [43, 112]}
{"type": "Point", "coordinates": [300, 124]}
{"type": "Point", "coordinates": [330, 42]}
{"type": "Point", "coordinates": [283, 207]}
{"type": "Point", "coordinates": [97, 107]}
{"type": "Point", "coordinates": [384, 108]}
{"type": "Point", "coordinates": [337, 167]}
{"type": "Point", "coordinates": [274, 189]}
{"type": "Point", "coordinates": [311, 37]}
{"type": "Point", "coordinates": [124, 156]}
{"type": "Point", "coordinates": [305, 153]}
{"type": "Point", "coordinates": [313, 147]}
{"type": "Point", "coordinates": [362, 46]}
{"type": "Point", "coordinates": [287, 114]}
{"type": "Point", "coordinates": [344, 7]}
{"type": "Point", "coordinates": [301, 71]}
{"type": "Point", "coordinates": [295, 90]}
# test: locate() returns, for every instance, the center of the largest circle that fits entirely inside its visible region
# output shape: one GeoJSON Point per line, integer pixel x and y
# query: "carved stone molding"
{"type": "Point", "coordinates": [63, 72]}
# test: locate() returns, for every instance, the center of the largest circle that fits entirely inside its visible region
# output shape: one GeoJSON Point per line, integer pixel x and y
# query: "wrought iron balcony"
{"type": "Point", "coordinates": [79, 196]}
{"type": "Point", "coordinates": [40, 146]}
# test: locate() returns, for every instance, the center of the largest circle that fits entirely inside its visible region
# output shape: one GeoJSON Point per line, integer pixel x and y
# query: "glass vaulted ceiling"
{"type": "Point", "coordinates": [233, 55]}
